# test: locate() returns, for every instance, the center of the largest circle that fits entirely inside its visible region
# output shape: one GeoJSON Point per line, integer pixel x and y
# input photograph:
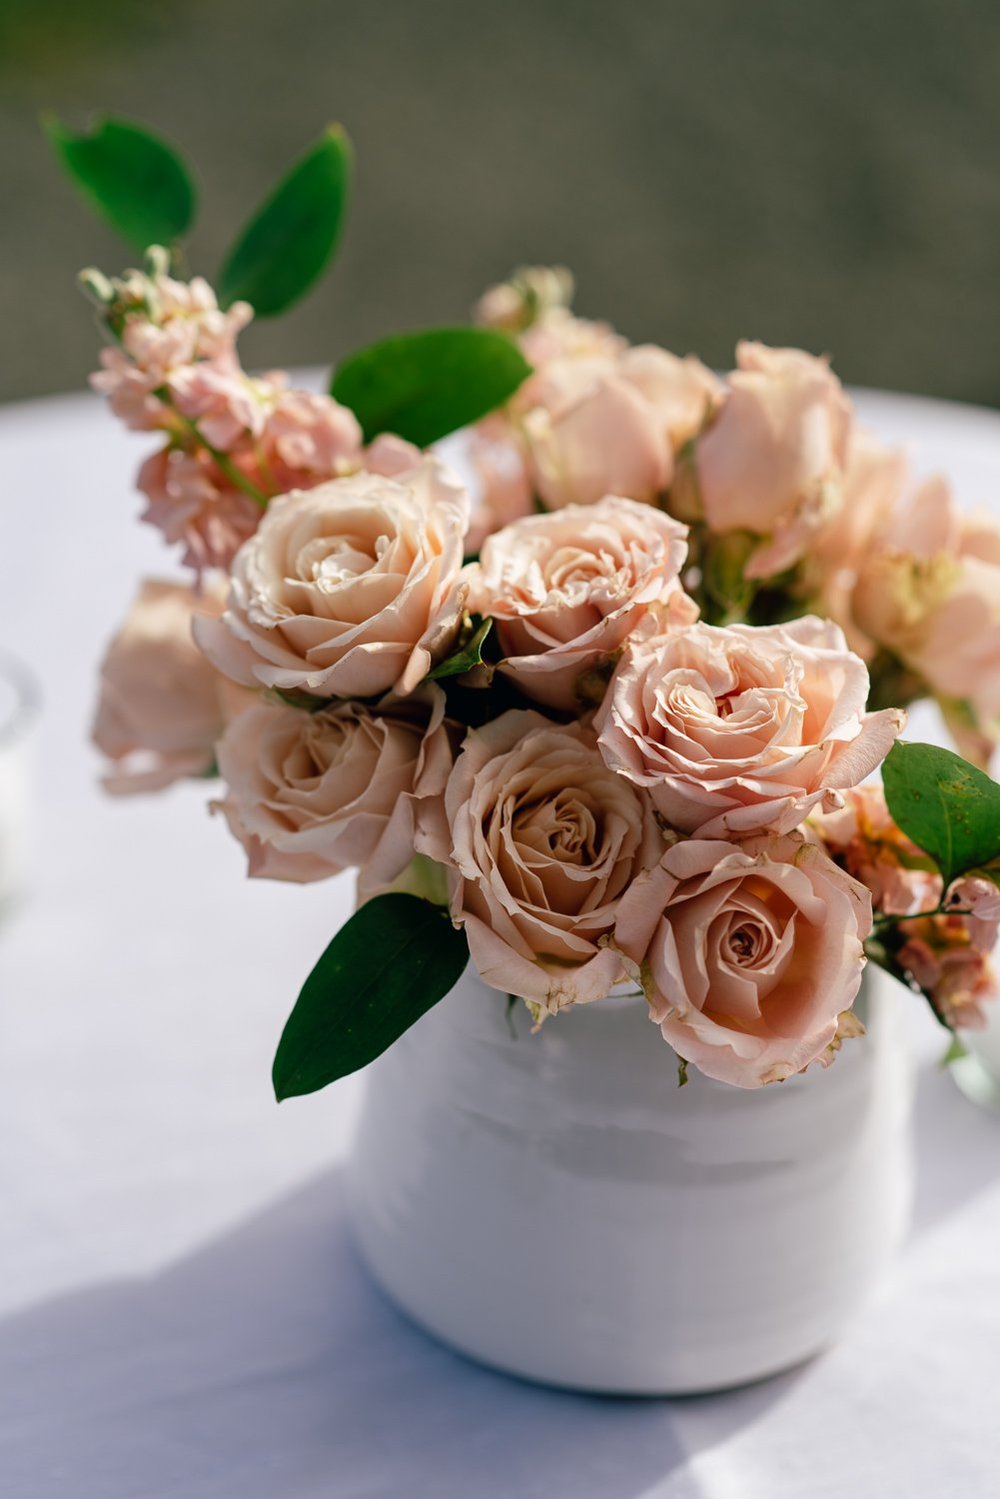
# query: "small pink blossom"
{"type": "Point", "coordinates": [863, 837]}
{"type": "Point", "coordinates": [192, 502]}
{"type": "Point", "coordinates": [948, 957]}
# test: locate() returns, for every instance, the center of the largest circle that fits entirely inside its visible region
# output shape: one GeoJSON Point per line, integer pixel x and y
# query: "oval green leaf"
{"type": "Point", "coordinates": [949, 808]}
{"type": "Point", "coordinates": [396, 957]}
{"type": "Point", "coordinates": [290, 239]}
{"type": "Point", "coordinates": [424, 385]}
{"type": "Point", "coordinates": [137, 182]}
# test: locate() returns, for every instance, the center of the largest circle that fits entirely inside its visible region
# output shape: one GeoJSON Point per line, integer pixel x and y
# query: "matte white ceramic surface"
{"type": "Point", "coordinates": [557, 1206]}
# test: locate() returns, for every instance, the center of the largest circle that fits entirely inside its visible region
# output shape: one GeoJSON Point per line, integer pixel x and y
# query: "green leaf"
{"type": "Point", "coordinates": [137, 183]}
{"type": "Point", "coordinates": [395, 958]}
{"type": "Point", "coordinates": [290, 239]}
{"type": "Point", "coordinates": [949, 808]}
{"type": "Point", "coordinates": [468, 655]}
{"type": "Point", "coordinates": [424, 385]}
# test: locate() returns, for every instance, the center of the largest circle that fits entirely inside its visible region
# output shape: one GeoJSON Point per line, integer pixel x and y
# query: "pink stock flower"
{"type": "Point", "coordinates": [308, 438]}
{"type": "Point", "coordinates": [742, 729]}
{"type": "Point", "coordinates": [948, 957]}
{"type": "Point", "coordinates": [748, 953]}
{"type": "Point", "coordinates": [192, 502]}
{"type": "Point", "coordinates": [164, 327]}
{"type": "Point", "coordinates": [863, 837]}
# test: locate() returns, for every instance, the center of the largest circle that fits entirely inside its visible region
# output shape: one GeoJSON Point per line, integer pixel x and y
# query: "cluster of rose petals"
{"type": "Point", "coordinates": [542, 842]}
{"type": "Point", "coordinates": [748, 953]}
{"type": "Point", "coordinates": [772, 461]}
{"type": "Point", "coordinates": [311, 794]}
{"type": "Point", "coordinates": [738, 730]}
{"type": "Point", "coordinates": [350, 589]}
{"type": "Point", "coordinates": [928, 590]}
{"type": "Point", "coordinates": [863, 837]}
{"type": "Point", "coordinates": [162, 706]}
{"type": "Point", "coordinates": [566, 590]}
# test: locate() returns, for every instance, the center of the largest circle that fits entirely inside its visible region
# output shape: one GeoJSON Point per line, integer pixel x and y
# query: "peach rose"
{"type": "Point", "coordinates": [162, 706]}
{"type": "Point", "coordinates": [542, 842]}
{"type": "Point", "coordinates": [604, 440]}
{"type": "Point", "coordinates": [311, 794]}
{"type": "Point", "coordinates": [741, 729]}
{"type": "Point", "coordinates": [683, 392]}
{"type": "Point", "coordinates": [748, 953]}
{"type": "Point", "coordinates": [873, 485]}
{"type": "Point", "coordinates": [566, 589]}
{"type": "Point", "coordinates": [349, 589]}
{"type": "Point", "coordinates": [929, 592]}
{"type": "Point", "coordinates": [772, 461]}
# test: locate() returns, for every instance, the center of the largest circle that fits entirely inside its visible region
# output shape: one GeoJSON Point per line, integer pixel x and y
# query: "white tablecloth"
{"type": "Point", "coordinates": [181, 1310]}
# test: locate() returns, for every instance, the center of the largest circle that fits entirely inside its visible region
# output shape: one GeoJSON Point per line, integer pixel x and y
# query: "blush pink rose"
{"type": "Point", "coordinates": [748, 954]}
{"type": "Point", "coordinates": [873, 486]}
{"type": "Point", "coordinates": [743, 729]}
{"type": "Point", "coordinates": [565, 590]}
{"type": "Point", "coordinates": [929, 592]}
{"type": "Point", "coordinates": [683, 392]}
{"type": "Point", "coordinates": [350, 589]}
{"type": "Point", "coordinates": [772, 461]}
{"type": "Point", "coordinates": [311, 794]}
{"type": "Point", "coordinates": [162, 706]}
{"type": "Point", "coordinates": [542, 841]}
{"type": "Point", "coordinates": [605, 439]}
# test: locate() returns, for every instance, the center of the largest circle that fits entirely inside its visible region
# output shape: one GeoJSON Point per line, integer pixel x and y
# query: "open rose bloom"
{"type": "Point", "coordinates": [614, 700]}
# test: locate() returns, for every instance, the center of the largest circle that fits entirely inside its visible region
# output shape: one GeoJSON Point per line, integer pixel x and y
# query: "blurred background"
{"type": "Point", "coordinates": [820, 175]}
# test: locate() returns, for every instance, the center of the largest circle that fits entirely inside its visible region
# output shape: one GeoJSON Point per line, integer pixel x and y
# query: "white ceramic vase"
{"type": "Point", "coordinates": [557, 1206]}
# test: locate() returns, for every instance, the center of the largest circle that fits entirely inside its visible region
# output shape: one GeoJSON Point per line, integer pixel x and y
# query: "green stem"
{"type": "Point", "coordinates": [881, 922]}
{"type": "Point", "coordinates": [231, 470]}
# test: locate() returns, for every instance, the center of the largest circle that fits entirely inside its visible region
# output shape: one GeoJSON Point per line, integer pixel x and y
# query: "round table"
{"type": "Point", "coordinates": [181, 1309]}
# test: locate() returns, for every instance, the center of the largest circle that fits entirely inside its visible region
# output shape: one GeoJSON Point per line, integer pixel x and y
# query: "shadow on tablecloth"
{"type": "Point", "coordinates": [268, 1366]}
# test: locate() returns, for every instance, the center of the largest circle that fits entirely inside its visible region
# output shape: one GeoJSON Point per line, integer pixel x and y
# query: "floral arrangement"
{"type": "Point", "coordinates": [593, 699]}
